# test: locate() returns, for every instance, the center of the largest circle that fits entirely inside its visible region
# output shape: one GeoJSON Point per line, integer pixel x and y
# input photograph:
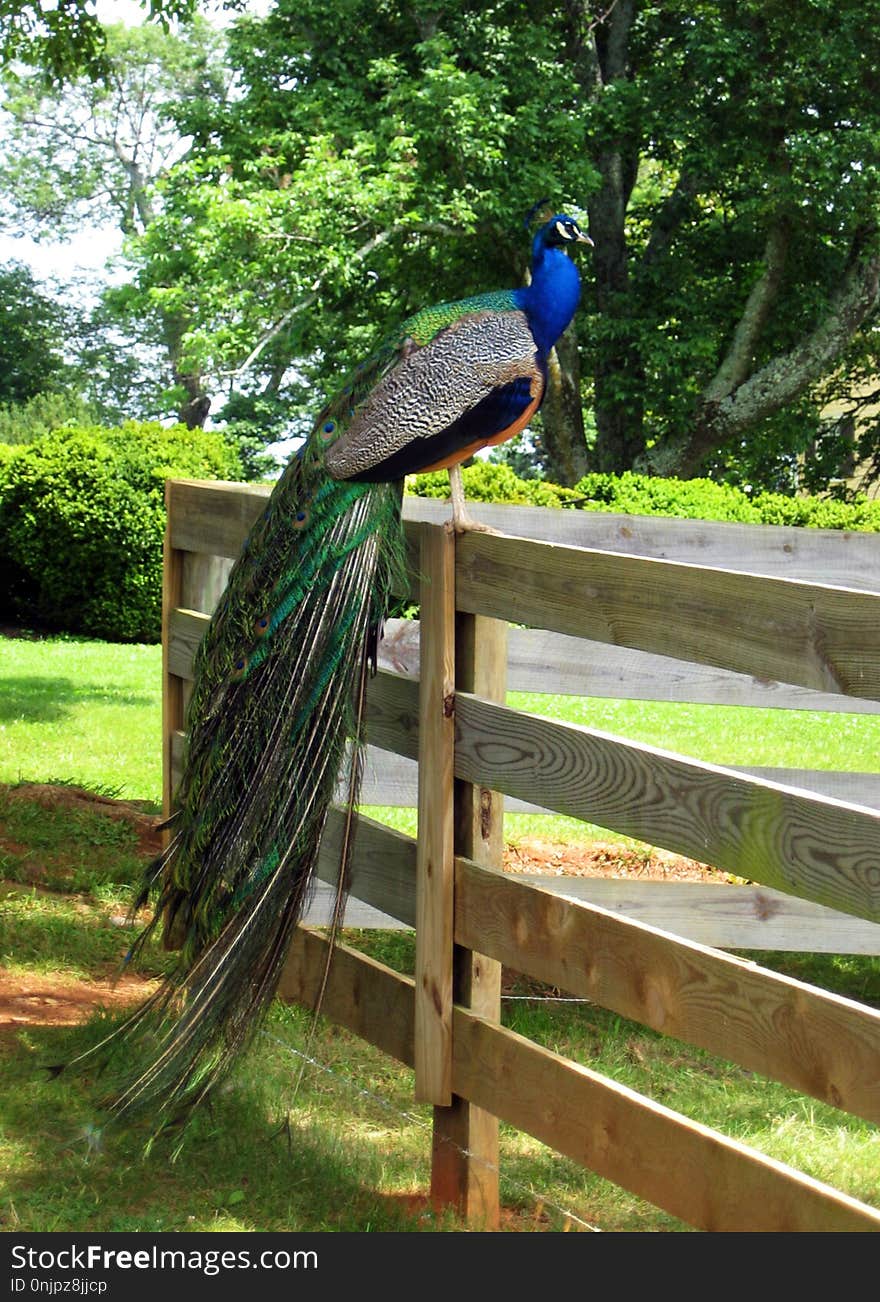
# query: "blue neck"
{"type": "Point", "coordinates": [551, 299]}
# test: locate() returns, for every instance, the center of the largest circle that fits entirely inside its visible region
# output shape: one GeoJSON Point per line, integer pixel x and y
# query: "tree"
{"type": "Point", "coordinates": [32, 334]}
{"type": "Point", "coordinates": [374, 158]}
{"type": "Point", "coordinates": [305, 223]}
{"type": "Point", "coordinates": [110, 141]}
{"type": "Point", "coordinates": [66, 39]}
{"type": "Point", "coordinates": [736, 223]}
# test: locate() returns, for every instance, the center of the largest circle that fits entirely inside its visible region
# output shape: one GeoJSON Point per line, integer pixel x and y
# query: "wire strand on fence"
{"type": "Point", "coordinates": [308, 1060]}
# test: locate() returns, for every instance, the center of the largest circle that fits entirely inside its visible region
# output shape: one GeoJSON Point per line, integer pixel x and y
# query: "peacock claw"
{"type": "Point", "coordinates": [469, 525]}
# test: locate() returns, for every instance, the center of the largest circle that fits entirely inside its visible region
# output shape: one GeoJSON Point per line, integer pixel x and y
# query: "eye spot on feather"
{"type": "Point", "coordinates": [328, 429]}
{"type": "Point", "coordinates": [300, 520]}
{"type": "Point", "coordinates": [261, 626]}
{"type": "Point", "coordinates": [239, 669]}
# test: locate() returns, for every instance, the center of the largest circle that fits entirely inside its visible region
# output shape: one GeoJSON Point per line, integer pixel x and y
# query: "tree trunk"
{"type": "Point", "coordinates": [601, 61]}
{"type": "Point", "coordinates": [195, 406]}
{"type": "Point", "coordinates": [728, 410]}
{"type": "Point", "coordinates": [562, 417]}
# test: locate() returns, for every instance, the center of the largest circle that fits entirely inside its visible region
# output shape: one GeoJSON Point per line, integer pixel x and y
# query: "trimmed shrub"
{"type": "Point", "coordinates": [861, 516]}
{"type": "Point", "coordinates": [688, 499]}
{"type": "Point", "coordinates": [486, 481]}
{"type": "Point", "coordinates": [82, 517]}
{"type": "Point", "coordinates": [630, 494]}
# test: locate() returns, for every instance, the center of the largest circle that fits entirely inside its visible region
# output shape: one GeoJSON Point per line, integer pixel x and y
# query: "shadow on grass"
{"type": "Point", "coordinates": [63, 939]}
{"type": "Point", "coordinates": [45, 700]}
{"type": "Point", "coordinates": [240, 1167]}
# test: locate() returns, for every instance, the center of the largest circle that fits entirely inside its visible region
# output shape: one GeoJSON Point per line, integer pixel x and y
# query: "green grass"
{"type": "Point", "coordinates": [346, 1147]}
{"type": "Point", "coordinates": [67, 849]}
{"type": "Point", "coordinates": [726, 734]}
{"type": "Point", "coordinates": [62, 706]}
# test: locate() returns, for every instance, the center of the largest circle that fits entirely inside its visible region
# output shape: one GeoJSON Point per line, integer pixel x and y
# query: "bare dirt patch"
{"type": "Point", "coordinates": [606, 859]}
{"type": "Point", "coordinates": [48, 1000]}
{"type": "Point", "coordinates": [54, 1001]}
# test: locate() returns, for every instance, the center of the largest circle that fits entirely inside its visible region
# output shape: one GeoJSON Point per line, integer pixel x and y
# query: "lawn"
{"type": "Point", "coordinates": [63, 703]}
{"type": "Point", "coordinates": [332, 1140]}
{"type": "Point", "coordinates": [82, 711]}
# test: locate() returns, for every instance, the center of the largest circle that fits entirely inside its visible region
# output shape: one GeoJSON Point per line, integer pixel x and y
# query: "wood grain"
{"type": "Point", "coordinates": [813, 846]}
{"type": "Point", "coordinates": [383, 868]}
{"type": "Point", "coordinates": [725, 917]}
{"type": "Point", "coordinates": [743, 917]}
{"type": "Point", "coordinates": [786, 629]}
{"type": "Point", "coordinates": [835, 556]}
{"type": "Point", "coordinates": [204, 578]}
{"type": "Point", "coordinates": [392, 716]}
{"type": "Point", "coordinates": [215, 517]}
{"type": "Point", "coordinates": [435, 848]}
{"type": "Point", "coordinates": [464, 1164]}
{"type": "Point", "coordinates": [558, 664]}
{"type": "Point", "coordinates": [697, 1174]}
{"type": "Point", "coordinates": [391, 779]}
{"type": "Point", "coordinates": [369, 998]}
{"type": "Point", "coordinates": [172, 682]}
{"type": "Point", "coordinates": [721, 915]}
{"type": "Point", "coordinates": [820, 1043]}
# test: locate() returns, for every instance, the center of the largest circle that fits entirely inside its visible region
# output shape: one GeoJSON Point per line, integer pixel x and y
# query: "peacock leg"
{"type": "Point", "coordinates": [462, 522]}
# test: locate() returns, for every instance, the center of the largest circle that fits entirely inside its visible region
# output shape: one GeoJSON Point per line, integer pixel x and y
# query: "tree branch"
{"type": "Point", "coordinates": [432, 228]}
{"type": "Point", "coordinates": [737, 363]}
{"type": "Point", "coordinates": [784, 378]}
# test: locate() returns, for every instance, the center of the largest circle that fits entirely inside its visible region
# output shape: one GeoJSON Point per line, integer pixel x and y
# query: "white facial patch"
{"type": "Point", "coordinates": [563, 231]}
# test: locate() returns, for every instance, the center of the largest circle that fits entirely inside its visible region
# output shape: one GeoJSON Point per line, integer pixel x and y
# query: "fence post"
{"type": "Point", "coordinates": [434, 854]}
{"type": "Point", "coordinates": [464, 1170]}
{"type": "Point", "coordinates": [172, 687]}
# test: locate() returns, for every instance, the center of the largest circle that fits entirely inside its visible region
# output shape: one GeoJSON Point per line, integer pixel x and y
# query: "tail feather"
{"type": "Point", "coordinates": [277, 677]}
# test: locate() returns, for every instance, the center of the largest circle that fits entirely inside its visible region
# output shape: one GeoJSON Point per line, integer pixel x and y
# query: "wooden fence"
{"type": "Point", "coordinates": [800, 632]}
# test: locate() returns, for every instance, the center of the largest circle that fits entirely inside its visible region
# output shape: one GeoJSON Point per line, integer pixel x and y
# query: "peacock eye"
{"type": "Point", "coordinates": [240, 667]}
{"type": "Point", "coordinates": [261, 626]}
{"type": "Point", "coordinates": [300, 520]}
{"type": "Point", "coordinates": [328, 429]}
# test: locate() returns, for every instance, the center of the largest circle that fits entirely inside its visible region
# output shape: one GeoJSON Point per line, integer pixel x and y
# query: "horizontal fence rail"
{"type": "Point", "coordinates": [827, 556]}
{"type": "Point", "coordinates": [800, 633]}
{"type": "Point", "coordinates": [814, 1041]}
{"type": "Point", "coordinates": [797, 632]}
{"type": "Point", "coordinates": [695, 1173]}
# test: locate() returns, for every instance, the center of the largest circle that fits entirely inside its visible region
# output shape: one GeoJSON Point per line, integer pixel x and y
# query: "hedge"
{"type": "Point", "coordinates": [82, 518]}
{"type": "Point", "coordinates": [629, 494]}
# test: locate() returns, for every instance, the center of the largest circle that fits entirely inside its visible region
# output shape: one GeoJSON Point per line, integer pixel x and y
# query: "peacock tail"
{"type": "Point", "coordinates": [278, 688]}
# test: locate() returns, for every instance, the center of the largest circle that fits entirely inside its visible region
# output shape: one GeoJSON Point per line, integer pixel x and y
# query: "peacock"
{"type": "Point", "coordinates": [280, 674]}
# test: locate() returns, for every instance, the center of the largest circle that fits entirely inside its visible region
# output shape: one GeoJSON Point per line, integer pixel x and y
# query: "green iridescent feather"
{"type": "Point", "coordinates": [277, 681]}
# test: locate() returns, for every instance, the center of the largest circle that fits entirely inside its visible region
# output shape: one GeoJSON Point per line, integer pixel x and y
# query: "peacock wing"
{"type": "Point", "coordinates": [475, 381]}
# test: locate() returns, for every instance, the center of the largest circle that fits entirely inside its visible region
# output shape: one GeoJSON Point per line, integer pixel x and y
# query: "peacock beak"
{"type": "Point", "coordinates": [584, 239]}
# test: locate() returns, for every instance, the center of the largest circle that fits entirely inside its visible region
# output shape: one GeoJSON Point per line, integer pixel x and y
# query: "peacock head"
{"type": "Point", "coordinates": [561, 230]}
